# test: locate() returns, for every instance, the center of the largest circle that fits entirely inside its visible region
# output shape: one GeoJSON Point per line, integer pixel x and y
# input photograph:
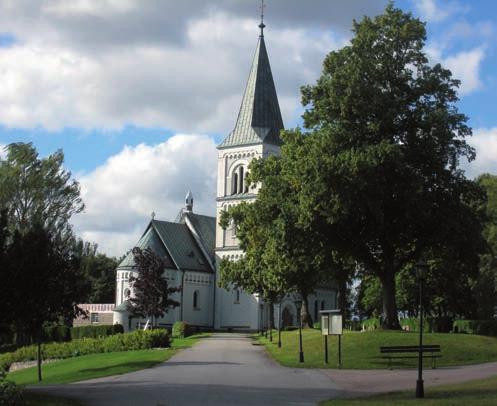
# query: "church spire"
{"type": "Point", "coordinates": [259, 119]}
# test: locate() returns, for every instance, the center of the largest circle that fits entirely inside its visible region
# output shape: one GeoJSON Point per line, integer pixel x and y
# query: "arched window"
{"type": "Point", "coordinates": [234, 182]}
{"type": "Point", "coordinates": [236, 296]}
{"type": "Point", "coordinates": [316, 305]}
{"type": "Point", "coordinates": [196, 297]}
{"type": "Point", "coordinates": [240, 178]}
{"type": "Point", "coordinates": [246, 186]}
{"type": "Point", "coordinates": [322, 305]}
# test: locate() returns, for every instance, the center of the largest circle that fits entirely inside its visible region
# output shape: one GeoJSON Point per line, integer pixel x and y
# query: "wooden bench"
{"type": "Point", "coordinates": [433, 352]}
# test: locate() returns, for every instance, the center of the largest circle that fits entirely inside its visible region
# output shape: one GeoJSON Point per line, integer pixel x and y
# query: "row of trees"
{"type": "Point", "coordinates": [371, 183]}
{"type": "Point", "coordinates": [45, 270]}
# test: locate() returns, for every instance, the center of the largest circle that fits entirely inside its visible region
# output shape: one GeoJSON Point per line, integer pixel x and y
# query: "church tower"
{"type": "Point", "coordinates": [255, 135]}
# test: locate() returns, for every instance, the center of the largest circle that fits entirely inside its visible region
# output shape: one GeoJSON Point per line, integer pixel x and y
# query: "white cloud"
{"type": "Point", "coordinates": [464, 65]}
{"type": "Point", "coordinates": [484, 140]}
{"type": "Point", "coordinates": [121, 194]}
{"type": "Point", "coordinates": [179, 65]}
{"type": "Point", "coordinates": [432, 11]}
{"type": "Point", "coordinates": [2, 151]}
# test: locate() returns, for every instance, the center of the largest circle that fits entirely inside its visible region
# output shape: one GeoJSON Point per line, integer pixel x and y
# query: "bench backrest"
{"type": "Point", "coordinates": [409, 348]}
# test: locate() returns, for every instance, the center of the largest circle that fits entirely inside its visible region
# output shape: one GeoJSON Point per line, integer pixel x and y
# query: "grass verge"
{"type": "Point", "coordinates": [100, 365]}
{"type": "Point", "coordinates": [481, 393]}
{"type": "Point", "coordinates": [361, 350]}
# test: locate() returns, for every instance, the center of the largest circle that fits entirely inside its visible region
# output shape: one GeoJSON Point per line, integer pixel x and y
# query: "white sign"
{"type": "Point", "coordinates": [331, 324]}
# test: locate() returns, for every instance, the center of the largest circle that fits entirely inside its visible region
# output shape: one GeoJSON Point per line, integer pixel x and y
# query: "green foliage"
{"type": "Point", "coordinates": [38, 190]}
{"type": "Point", "coordinates": [99, 270]}
{"type": "Point", "coordinates": [181, 329]}
{"type": "Point", "coordinates": [481, 327]}
{"type": "Point", "coordinates": [371, 324]}
{"type": "Point", "coordinates": [10, 393]}
{"type": "Point", "coordinates": [137, 340]}
{"type": "Point", "coordinates": [56, 333]}
{"type": "Point", "coordinates": [378, 169]}
{"type": "Point", "coordinates": [95, 331]}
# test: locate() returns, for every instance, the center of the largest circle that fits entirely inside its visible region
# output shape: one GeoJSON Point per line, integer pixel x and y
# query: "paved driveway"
{"type": "Point", "coordinates": [225, 369]}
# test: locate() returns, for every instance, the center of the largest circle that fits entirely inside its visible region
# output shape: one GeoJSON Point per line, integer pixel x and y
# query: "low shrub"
{"type": "Point", "coordinates": [412, 324]}
{"type": "Point", "coordinates": [137, 340]}
{"type": "Point", "coordinates": [481, 327]}
{"type": "Point", "coordinates": [56, 333]}
{"type": "Point", "coordinates": [353, 325]}
{"type": "Point", "coordinates": [370, 324]}
{"type": "Point", "coordinates": [317, 325]}
{"type": "Point", "coordinates": [182, 329]}
{"type": "Point", "coordinates": [10, 393]}
{"type": "Point", "coordinates": [92, 331]}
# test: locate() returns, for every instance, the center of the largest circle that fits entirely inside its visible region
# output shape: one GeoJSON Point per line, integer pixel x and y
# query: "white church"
{"type": "Point", "coordinates": [194, 244]}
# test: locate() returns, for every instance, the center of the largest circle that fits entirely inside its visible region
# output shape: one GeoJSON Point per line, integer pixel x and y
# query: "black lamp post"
{"type": "Point", "coordinates": [421, 268]}
{"type": "Point", "coordinates": [298, 305]}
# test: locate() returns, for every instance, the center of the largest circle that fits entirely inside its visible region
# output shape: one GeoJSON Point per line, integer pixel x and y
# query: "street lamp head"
{"type": "Point", "coordinates": [421, 268]}
{"type": "Point", "coordinates": [298, 304]}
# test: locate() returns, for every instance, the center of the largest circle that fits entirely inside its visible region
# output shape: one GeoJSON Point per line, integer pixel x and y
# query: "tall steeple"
{"type": "Point", "coordinates": [259, 120]}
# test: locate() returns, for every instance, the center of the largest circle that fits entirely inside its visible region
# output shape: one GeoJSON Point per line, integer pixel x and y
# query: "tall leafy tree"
{"type": "Point", "coordinates": [151, 291]}
{"type": "Point", "coordinates": [485, 286]}
{"type": "Point", "coordinates": [44, 283]}
{"type": "Point", "coordinates": [378, 168]}
{"type": "Point", "coordinates": [100, 271]}
{"type": "Point", "coordinates": [38, 191]}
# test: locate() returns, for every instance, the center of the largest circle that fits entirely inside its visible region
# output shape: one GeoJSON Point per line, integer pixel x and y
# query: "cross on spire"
{"type": "Point", "coordinates": [262, 25]}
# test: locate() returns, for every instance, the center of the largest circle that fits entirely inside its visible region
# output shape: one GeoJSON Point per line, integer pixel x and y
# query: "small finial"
{"type": "Point", "coordinates": [262, 25]}
{"type": "Point", "coordinates": [189, 201]}
{"type": "Point", "coordinates": [152, 215]}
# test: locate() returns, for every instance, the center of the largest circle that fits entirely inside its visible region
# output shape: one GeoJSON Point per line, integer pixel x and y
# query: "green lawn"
{"type": "Point", "coordinates": [361, 350]}
{"type": "Point", "coordinates": [481, 393]}
{"type": "Point", "coordinates": [99, 365]}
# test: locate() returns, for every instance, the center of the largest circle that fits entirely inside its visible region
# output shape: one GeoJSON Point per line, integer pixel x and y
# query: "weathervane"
{"type": "Point", "coordinates": [261, 25]}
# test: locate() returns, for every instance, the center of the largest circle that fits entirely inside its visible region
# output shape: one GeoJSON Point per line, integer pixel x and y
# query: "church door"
{"type": "Point", "coordinates": [287, 317]}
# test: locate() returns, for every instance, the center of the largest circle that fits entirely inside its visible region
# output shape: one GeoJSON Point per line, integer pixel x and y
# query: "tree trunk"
{"type": "Point", "coordinates": [390, 319]}
{"type": "Point", "coordinates": [39, 358]}
{"type": "Point", "coordinates": [342, 298]}
{"type": "Point", "coordinates": [304, 313]}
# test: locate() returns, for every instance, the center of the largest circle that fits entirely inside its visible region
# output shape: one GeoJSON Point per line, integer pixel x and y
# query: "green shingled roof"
{"type": "Point", "coordinates": [150, 239]}
{"type": "Point", "coordinates": [181, 246]}
{"type": "Point", "coordinates": [259, 119]}
{"type": "Point", "coordinates": [205, 226]}
{"type": "Point", "coordinates": [174, 241]}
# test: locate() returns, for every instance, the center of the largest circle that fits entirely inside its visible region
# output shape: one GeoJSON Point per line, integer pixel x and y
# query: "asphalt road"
{"type": "Point", "coordinates": [225, 369]}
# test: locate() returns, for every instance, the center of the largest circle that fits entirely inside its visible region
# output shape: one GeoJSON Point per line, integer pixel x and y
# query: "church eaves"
{"type": "Point", "coordinates": [259, 120]}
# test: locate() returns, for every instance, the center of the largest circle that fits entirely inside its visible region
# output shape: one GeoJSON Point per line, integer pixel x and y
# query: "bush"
{"type": "Point", "coordinates": [10, 393]}
{"type": "Point", "coordinates": [182, 329]}
{"type": "Point", "coordinates": [481, 327]}
{"type": "Point", "coordinates": [317, 325]}
{"type": "Point", "coordinates": [353, 325]}
{"type": "Point", "coordinates": [56, 333]}
{"type": "Point", "coordinates": [137, 340]}
{"type": "Point", "coordinates": [371, 324]}
{"type": "Point", "coordinates": [412, 324]}
{"type": "Point", "coordinates": [91, 331]}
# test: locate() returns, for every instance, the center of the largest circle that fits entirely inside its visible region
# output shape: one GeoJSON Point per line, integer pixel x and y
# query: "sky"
{"type": "Point", "coordinates": [138, 93]}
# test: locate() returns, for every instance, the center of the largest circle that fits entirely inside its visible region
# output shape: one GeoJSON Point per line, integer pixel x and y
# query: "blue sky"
{"type": "Point", "coordinates": [138, 94]}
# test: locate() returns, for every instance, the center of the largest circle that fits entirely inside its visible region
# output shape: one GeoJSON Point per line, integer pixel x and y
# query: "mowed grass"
{"type": "Point", "coordinates": [481, 393]}
{"type": "Point", "coordinates": [360, 350]}
{"type": "Point", "coordinates": [99, 365]}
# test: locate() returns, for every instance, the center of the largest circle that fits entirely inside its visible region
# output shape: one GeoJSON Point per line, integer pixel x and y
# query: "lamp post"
{"type": "Point", "coordinates": [298, 305]}
{"type": "Point", "coordinates": [421, 268]}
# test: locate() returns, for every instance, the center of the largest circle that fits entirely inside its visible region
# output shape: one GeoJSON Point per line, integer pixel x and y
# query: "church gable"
{"type": "Point", "coordinates": [150, 239]}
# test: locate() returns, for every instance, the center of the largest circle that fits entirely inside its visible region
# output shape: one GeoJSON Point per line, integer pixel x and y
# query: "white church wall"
{"type": "Point", "coordinates": [200, 285]}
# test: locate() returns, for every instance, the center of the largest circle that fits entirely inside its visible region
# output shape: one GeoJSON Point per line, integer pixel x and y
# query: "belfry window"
{"type": "Point", "coordinates": [196, 295]}
{"type": "Point", "coordinates": [240, 179]}
{"type": "Point", "coordinates": [234, 189]}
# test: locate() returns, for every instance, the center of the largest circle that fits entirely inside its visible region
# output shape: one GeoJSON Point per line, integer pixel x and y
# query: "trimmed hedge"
{"type": "Point", "coordinates": [182, 329]}
{"type": "Point", "coordinates": [137, 340]}
{"type": "Point", "coordinates": [91, 331]}
{"type": "Point", "coordinates": [481, 327]}
{"type": "Point", "coordinates": [57, 334]}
